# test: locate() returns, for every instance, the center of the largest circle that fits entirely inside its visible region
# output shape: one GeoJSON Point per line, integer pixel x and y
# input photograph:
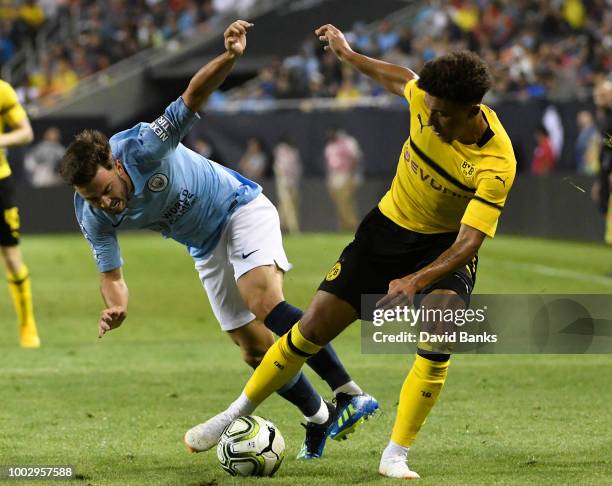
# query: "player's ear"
{"type": "Point", "coordinates": [474, 110]}
{"type": "Point", "coordinates": [119, 166]}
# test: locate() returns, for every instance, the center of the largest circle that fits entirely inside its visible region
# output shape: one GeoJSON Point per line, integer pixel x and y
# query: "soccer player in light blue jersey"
{"type": "Point", "coordinates": [145, 178]}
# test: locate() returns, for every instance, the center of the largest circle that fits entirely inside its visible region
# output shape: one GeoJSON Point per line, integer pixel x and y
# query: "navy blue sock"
{"type": "Point", "coordinates": [302, 394]}
{"type": "Point", "coordinates": [325, 363]}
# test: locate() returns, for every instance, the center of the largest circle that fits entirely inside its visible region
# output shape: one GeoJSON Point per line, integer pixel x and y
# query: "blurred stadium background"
{"type": "Point", "coordinates": [117, 411]}
{"type": "Point", "coordinates": [109, 64]}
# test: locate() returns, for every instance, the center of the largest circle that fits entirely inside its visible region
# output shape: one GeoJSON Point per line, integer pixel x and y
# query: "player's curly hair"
{"type": "Point", "coordinates": [89, 150]}
{"type": "Point", "coordinates": [459, 76]}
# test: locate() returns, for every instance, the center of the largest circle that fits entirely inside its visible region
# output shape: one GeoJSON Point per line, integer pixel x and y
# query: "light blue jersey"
{"type": "Point", "coordinates": [177, 192]}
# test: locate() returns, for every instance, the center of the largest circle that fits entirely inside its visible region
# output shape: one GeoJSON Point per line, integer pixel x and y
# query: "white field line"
{"type": "Point", "coordinates": [555, 272]}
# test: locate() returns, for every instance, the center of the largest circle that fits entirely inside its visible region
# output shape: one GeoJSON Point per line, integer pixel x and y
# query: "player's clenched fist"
{"type": "Point", "coordinates": [110, 318]}
{"type": "Point", "coordinates": [235, 37]}
{"type": "Point", "coordinates": [335, 40]}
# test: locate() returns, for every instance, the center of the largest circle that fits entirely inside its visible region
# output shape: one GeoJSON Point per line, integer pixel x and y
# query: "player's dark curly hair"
{"type": "Point", "coordinates": [459, 76]}
{"type": "Point", "coordinates": [80, 163]}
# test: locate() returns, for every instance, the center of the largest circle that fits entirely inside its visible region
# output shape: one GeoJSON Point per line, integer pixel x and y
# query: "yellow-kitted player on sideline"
{"type": "Point", "coordinates": [421, 242]}
{"type": "Point", "coordinates": [15, 129]}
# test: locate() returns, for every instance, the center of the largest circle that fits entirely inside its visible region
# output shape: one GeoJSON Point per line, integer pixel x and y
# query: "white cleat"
{"type": "Point", "coordinates": [205, 436]}
{"type": "Point", "coordinates": [396, 467]}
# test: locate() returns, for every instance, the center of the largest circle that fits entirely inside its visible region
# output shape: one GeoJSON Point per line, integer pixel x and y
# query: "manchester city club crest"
{"type": "Point", "coordinates": [157, 182]}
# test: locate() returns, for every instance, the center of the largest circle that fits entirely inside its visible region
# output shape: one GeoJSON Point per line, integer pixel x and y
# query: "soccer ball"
{"type": "Point", "coordinates": [251, 446]}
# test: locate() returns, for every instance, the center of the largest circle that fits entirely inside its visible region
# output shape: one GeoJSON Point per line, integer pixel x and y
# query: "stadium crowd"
{"type": "Point", "coordinates": [536, 49]}
{"type": "Point", "coordinates": [100, 34]}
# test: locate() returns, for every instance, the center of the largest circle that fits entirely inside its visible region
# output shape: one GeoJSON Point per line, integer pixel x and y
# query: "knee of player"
{"type": "Point", "coordinates": [311, 328]}
{"type": "Point", "coordinates": [253, 356]}
{"type": "Point", "coordinates": [261, 303]}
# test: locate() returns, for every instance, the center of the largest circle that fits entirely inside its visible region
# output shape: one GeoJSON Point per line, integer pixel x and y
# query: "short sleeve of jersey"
{"type": "Point", "coordinates": [486, 205]}
{"type": "Point", "coordinates": [410, 89]}
{"type": "Point", "coordinates": [102, 239]}
{"type": "Point", "coordinates": [12, 111]}
{"type": "Point", "coordinates": [160, 137]}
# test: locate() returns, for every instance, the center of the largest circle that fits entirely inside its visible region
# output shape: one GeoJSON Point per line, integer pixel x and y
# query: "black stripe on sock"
{"type": "Point", "coordinates": [295, 349]}
{"type": "Point", "coordinates": [431, 356]}
{"type": "Point", "coordinates": [20, 281]}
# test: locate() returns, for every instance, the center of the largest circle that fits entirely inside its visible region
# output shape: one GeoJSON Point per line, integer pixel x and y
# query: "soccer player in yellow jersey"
{"type": "Point", "coordinates": [14, 117]}
{"type": "Point", "coordinates": [420, 243]}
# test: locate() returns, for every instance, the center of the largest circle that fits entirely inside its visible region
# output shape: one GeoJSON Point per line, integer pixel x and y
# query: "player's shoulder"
{"type": "Point", "coordinates": [7, 91]}
{"type": "Point", "coordinates": [5, 86]}
{"type": "Point", "coordinates": [412, 92]}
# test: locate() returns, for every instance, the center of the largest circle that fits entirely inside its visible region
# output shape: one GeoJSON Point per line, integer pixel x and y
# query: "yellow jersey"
{"type": "Point", "coordinates": [439, 186]}
{"type": "Point", "coordinates": [11, 113]}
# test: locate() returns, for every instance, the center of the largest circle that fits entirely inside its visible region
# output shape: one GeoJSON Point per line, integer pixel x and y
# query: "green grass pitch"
{"type": "Point", "coordinates": [117, 408]}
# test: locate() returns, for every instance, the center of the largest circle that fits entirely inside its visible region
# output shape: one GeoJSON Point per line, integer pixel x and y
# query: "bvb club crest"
{"type": "Point", "coordinates": [468, 169]}
{"type": "Point", "coordinates": [334, 272]}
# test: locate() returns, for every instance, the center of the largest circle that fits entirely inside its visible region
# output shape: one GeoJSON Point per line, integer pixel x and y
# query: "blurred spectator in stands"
{"type": "Point", "coordinates": [602, 189]}
{"type": "Point", "coordinates": [332, 72]}
{"type": "Point", "coordinates": [7, 47]}
{"type": "Point", "coordinates": [254, 162]}
{"type": "Point", "coordinates": [41, 162]}
{"type": "Point", "coordinates": [227, 6]}
{"type": "Point", "coordinates": [205, 148]}
{"type": "Point", "coordinates": [317, 88]}
{"type": "Point", "coordinates": [288, 172]}
{"type": "Point", "coordinates": [362, 40]}
{"type": "Point", "coordinates": [27, 19]}
{"type": "Point", "coordinates": [347, 90]}
{"type": "Point", "coordinates": [343, 157]}
{"type": "Point", "coordinates": [63, 79]}
{"type": "Point", "coordinates": [80, 63]}
{"type": "Point", "coordinates": [305, 64]}
{"type": "Point", "coordinates": [551, 120]}
{"type": "Point", "coordinates": [387, 37]}
{"type": "Point", "coordinates": [544, 158]}
{"type": "Point", "coordinates": [587, 144]}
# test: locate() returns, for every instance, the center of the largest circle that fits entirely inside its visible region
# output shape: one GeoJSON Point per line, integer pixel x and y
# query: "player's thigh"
{"type": "Point", "coordinates": [254, 339]}
{"type": "Point", "coordinates": [367, 264]}
{"type": "Point", "coordinates": [326, 317]}
{"type": "Point", "coordinates": [255, 250]}
{"type": "Point", "coordinates": [217, 277]}
{"type": "Point", "coordinates": [9, 214]}
{"type": "Point", "coordinates": [261, 289]}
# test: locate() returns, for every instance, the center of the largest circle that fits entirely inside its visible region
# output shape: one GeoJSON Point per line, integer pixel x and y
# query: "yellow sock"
{"type": "Point", "coordinates": [21, 292]}
{"type": "Point", "coordinates": [419, 394]}
{"type": "Point", "coordinates": [281, 363]}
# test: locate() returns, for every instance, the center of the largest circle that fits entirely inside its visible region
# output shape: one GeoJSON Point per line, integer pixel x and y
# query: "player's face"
{"type": "Point", "coordinates": [108, 190]}
{"type": "Point", "coordinates": [448, 120]}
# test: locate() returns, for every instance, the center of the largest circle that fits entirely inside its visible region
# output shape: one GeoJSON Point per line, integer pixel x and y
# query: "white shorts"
{"type": "Point", "coordinates": [251, 238]}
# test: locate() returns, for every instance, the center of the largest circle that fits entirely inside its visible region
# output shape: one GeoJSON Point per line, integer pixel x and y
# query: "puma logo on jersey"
{"type": "Point", "coordinates": [503, 181]}
{"type": "Point", "coordinates": [420, 122]}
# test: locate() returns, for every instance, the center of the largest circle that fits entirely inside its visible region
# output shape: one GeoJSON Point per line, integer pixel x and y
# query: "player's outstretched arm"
{"type": "Point", "coordinates": [391, 76]}
{"type": "Point", "coordinates": [212, 75]}
{"type": "Point", "coordinates": [20, 134]}
{"type": "Point", "coordinates": [115, 294]}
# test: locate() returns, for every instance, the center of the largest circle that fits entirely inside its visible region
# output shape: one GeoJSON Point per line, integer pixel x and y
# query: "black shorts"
{"type": "Point", "coordinates": [383, 251]}
{"type": "Point", "coordinates": [9, 214]}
